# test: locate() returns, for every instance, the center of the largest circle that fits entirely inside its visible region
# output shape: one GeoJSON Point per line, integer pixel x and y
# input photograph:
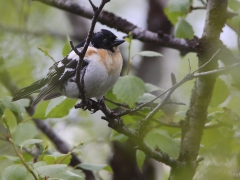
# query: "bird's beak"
{"type": "Point", "coordinates": [117, 42]}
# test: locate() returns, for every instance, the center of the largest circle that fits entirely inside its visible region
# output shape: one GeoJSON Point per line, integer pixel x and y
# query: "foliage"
{"type": "Point", "coordinates": [25, 153]}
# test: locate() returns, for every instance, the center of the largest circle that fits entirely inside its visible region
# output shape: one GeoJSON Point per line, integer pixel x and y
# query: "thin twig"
{"type": "Point", "coordinates": [83, 51]}
{"type": "Point", "coordinates": [203, 2]}
{"type": "Point", "coordinates": [116, 103]}
{"type": "Point", "coordinates": [216, 71]}
{"type": "Point", "coordinates": [201, 67]}
{"type": "Point", "coordinates": [189, 67]}
{"type": "Point", "coordinates": [93, 6]}
{"type": "Point", "coordinates": [198, 7]}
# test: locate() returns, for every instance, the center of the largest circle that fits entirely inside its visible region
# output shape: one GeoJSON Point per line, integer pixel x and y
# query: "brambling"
{"type": "Point", "coordinates": [102, 65]}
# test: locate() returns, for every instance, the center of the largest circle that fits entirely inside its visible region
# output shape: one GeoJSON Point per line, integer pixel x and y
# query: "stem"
{"type": "Point", "coordinates": [21, 158]}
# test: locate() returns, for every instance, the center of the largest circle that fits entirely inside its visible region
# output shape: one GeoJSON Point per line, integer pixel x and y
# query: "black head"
{"type": "Point", "coordinates": [105, 39]}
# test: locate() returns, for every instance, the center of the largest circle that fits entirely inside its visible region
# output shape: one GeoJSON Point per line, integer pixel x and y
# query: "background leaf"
{"type": "Point", "coordinates": [172, 16]}
{"type": "Point", "coordinates": [150, 88]}
{"type": "Point", "coordinates": [24, 132]}
{"type": "Point", "coordinates": [92, 167]}
{"type": "Point", "coordinates": [140, 156]}
{"type": "Point", "coordinates": [10, 120]}
{"type": "Point", "coordinates": [53, 171]}
{"type": "Point", "coordinates": [176, 9]}
{"type": "Point", "coordinates": [40, 110]}
{"type": "Point", "coordinates": [30, 141]}
{"type": "Point", "coordinates": [183, 29]}
{"type": "Point", "coordinates": [14, 172]}
{"type": "Point", "coordinates": [164, 141]}
{"type": "Point", "coordinates": [66, 48]}
{"type": "Point", "coordinates": [179, 6]}
{"type": "Point", "coordinates": [62, 109]}
{"type": "Point", "coordinates": [128, 89]}
{"type": "Point", "coordinates": [220, 93]}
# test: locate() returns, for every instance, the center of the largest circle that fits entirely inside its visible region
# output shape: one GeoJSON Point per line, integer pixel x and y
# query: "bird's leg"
{"type": "Point", "coordinates": [90, 105]}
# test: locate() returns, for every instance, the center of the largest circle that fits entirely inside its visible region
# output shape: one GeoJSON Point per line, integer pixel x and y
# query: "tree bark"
{"type": "Point", "coordinates": [192, 127]}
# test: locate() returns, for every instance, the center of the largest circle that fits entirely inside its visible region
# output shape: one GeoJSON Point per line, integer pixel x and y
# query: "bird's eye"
{"type": "Point", "coordinates": [105, 41]}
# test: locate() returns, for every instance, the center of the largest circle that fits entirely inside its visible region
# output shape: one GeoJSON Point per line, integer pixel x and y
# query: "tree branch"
{"type": "Point", "coordinates": [113, 21]}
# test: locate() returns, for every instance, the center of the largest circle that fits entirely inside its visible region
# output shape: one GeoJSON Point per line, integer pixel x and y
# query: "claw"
{"type": "Point", "coordinates": [90, 105]}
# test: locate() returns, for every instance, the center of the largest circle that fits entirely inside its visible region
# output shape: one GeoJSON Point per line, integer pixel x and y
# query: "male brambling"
{"type": "Point", "coordinates": [102, 62]}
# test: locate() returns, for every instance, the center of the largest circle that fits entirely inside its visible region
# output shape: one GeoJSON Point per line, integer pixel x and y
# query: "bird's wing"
{"type": "Point", "coordinates": [58, 74]}
{"type": "Point", "coordinates": [28, 90]}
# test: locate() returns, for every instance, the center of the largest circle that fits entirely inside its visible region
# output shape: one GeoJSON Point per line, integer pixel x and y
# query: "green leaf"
{"type": "Point", "coordinates": [53, 171]}
{"type": "Point", "coordinates": [14, 172]}
{"type": "Point", "coordinates": [128, 89]}
{"type": "Point", "coordinates": [49, 159]}
{"type": "Point", "coordinates": [11, 158]}
{"type": "Point", "coordinates": [172, 16]}
{"type": "Point", "coordinates": [112, 97]}
{"type": "Point", "coordinates": [57, 158]}
{"type": "Point", "coordinates": [234, 21]}
{"type": "Point", "coordinates": [66, 48]}
{"type": "Point", "coordinates": [183, 29]}
{"type": "Point", "coordinates": [40, 110]}
{"type": "Point", "coordinates": [10, 120]}
{"type": "Point", "coordinates": [140, 156]}
{"type": "Point", "coordinates": [39, 164]}
{"type": "Point", "coordinates": [16, 107]}
{"type": "Point", "coordinates": [149, 54]}
{"type": "Point", "coordinates": [92, 167]}
{"type": "Point", "coordinates": [164, 141]}
{"type": "Point", "coordinates": [220, 93]}
{"type": "Point", "coordinates": [115, 136]}
{"type": "Point", "coordinates": [182, 6]}
{"type": "Point", "coordinates": [62, 109]}
{"type": "Point", "coordinates": [53, 103]}
{"type": "Point", "coordinates": [234, 104]}
{"type": "Point", "coordinates": [2, 109]}
{"type": "Point", "coordinates": [151, 88]}
{"type": "Point", "coordinates": [30, 141]}
{"type": "Point", "coordinates": [129, 37]}
{"type": "Point", "coordinates": [127, 119]}
{"type": "Point", "coordinates": [73, 176]}
{"type": "Point", "coordinates": [63, 158]}
{"type": "Point", "coordinates": [24, 132]}
{"type": "Point", "coordinates": [108, 168]}
{"type": "Point", "coordinates": [146, 97]}
{"type": "Point", "coordinates": [234, 5]}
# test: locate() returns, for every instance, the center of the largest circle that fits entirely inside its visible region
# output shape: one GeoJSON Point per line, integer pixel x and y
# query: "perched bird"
{"type": "Point", "coordinates": [102, 65]}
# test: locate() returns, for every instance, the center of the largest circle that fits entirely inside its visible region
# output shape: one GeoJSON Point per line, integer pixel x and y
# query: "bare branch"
{"type": "Point", "coordinates": [113, 21]}
{"type": "Point", "coordinates": [218, 71]}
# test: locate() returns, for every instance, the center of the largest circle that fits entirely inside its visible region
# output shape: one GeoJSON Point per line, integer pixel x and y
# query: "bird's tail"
{"type": "Point", "coordinates": [28, 90]}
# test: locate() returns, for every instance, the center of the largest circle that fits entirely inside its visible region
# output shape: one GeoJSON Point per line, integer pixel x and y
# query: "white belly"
{"type": "Point", "coordinates": [96, 82]}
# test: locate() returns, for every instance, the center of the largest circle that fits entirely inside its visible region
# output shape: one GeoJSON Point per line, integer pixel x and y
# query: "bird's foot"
{"type": "Point", "coordinates": [90, 105]}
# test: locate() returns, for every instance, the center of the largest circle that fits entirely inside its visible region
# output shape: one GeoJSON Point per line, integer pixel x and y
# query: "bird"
{"type": "Point", "coordinates": [102, 65]}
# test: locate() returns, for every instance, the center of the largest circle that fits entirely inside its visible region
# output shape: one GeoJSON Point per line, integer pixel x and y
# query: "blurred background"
{"type": "Point", "coordinates": [27, 26]}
